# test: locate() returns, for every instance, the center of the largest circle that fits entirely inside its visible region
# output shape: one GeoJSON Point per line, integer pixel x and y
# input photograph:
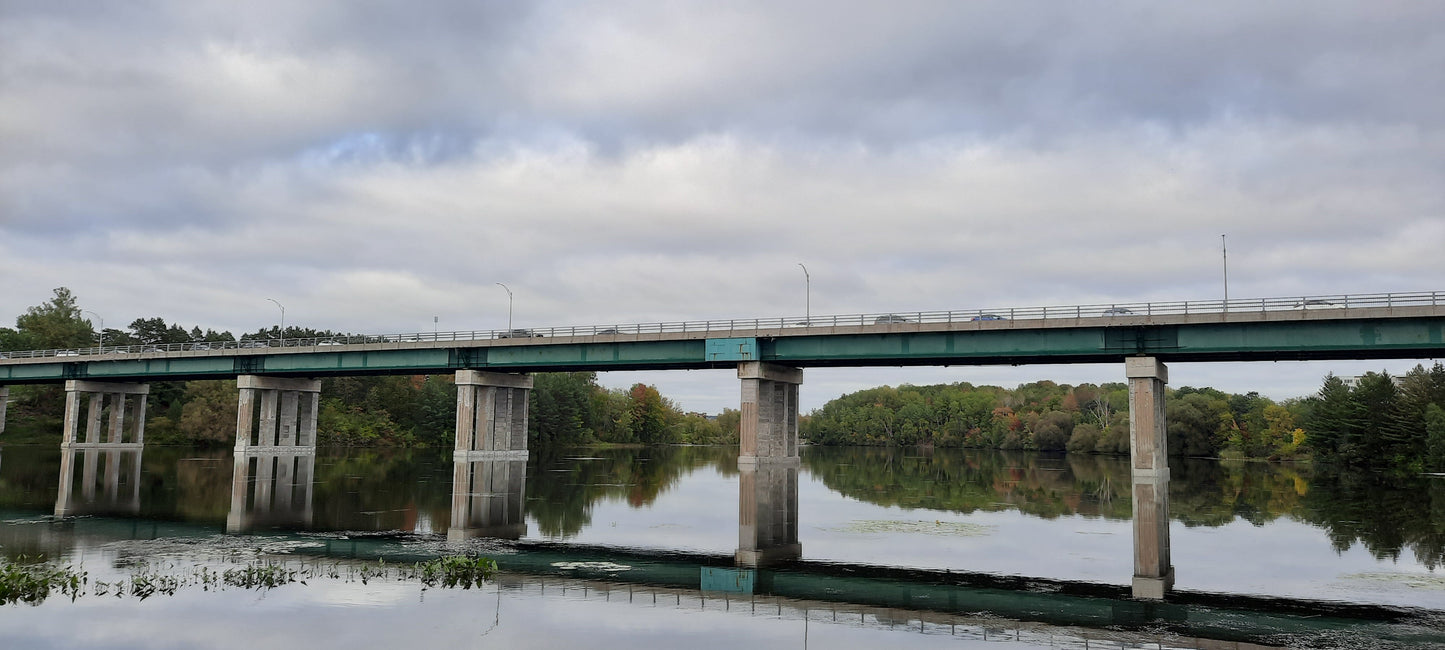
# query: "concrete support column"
{"type": "Point", "coordinates": [4, 401]}
{"type": "Point", "coordinates": [767, 515]}
{"type": "Point", "coordinates": [1149, 463]}
{"type": "Point", "coordinates": [276, 413]}
{"type": "Point", "coordinates": [1148, 441]}
{"type": "Point", "coordinates": [491, 415]}
{"type": "Point", "coordinates": [487, 499]}
{"type": "Point", "coordinates": [105, 402]}
{"type": "Point", "coordinates": [769, 428]}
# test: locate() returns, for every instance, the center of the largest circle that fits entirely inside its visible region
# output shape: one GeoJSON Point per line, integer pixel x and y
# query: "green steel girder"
{"type": "Point", "coordinates": [1378, 338]}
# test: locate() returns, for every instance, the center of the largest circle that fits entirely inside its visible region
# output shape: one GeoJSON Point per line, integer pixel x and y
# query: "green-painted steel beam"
{"type": "Point", "coordinates": [1375, 338]}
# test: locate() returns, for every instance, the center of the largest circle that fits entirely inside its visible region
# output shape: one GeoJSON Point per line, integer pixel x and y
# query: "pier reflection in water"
{"type": "Point", "coordinates": [487, 499]}
{"type": "Point", "coordinates": [767, 514]}
{"type": "Point", "coordinates": [109, 481]}
{"type": "Point", "coordinates": [272, 489]}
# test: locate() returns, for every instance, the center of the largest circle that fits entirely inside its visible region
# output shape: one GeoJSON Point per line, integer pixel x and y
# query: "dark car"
{"type": "Point", "coordinates": [519, 333]}
{"type": "Point", "coordinates": [1118, 311]}
{"type": "Point", "coordinates": [988, 317]}
{"type": "Point", "coordinates": [891, 318]}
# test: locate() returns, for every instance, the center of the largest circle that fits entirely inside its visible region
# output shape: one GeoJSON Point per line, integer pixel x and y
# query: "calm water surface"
{"type": "Point", "coordinates": [627, 547]}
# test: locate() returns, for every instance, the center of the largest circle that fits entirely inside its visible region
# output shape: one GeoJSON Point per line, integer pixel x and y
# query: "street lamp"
{"type": "Point", "coordinates": [807, 296]}
{"type": "Point", "coordinates": [283, 321]}
{"type": "Point", "coordinates": [100, 337]}
{"type": "Point", "coordinates": [1224, 251]}
{"type": "Point", "coordinates": [509, 308]}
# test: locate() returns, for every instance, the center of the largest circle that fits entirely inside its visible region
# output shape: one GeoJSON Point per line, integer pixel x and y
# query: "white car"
{"type": "Point", "coordinates": [1318, 304]}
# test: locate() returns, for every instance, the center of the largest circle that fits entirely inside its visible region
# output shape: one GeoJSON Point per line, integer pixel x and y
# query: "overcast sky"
{"type": "Point", "coordinates": [372, 165]}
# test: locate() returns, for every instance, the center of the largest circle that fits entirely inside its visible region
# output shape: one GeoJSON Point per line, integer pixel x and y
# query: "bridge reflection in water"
{"type": "Point", "coordinates": [766, 576]}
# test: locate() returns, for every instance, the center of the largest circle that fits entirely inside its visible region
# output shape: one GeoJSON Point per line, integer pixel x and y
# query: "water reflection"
{"type": "Point", "coordinates": [109, 482]}
{"type": "Point", "coordinates": [487, 498]}
{"type": "Point", "coordinates": [272, 489]}
{"type": "Point", "coordinates": [767, 515]}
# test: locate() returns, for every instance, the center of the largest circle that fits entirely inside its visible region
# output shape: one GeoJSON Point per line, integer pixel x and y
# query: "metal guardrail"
{"type": "Point", "coordinates": [1299, 304]}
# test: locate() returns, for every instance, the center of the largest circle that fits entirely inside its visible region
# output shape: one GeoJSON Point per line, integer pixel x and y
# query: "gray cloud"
{"type": "Point", "coordinates": [373, 166]}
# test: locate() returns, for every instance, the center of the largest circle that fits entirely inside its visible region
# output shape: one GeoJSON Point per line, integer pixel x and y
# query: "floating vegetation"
{"type": "Point", "coordinates": [456, 571]}
{"type": "Point", "coordinates": [936, 527]}
{"type": "Point", "coordinates": [608, 567]}
{"type": "Point", "coordinates": [1414, 580]}
{"type": "Point", "coordinates": [34, 583]}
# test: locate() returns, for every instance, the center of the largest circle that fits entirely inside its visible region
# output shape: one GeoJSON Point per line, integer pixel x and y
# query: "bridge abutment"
{"type": "Point", "coordinates": [491, 415]}
{"type": "Point", "coordinates": [769, 428]}
{"type": "Point", "coordinates": [106, 415]}
{"type": "Point", "coordinates": [276, 414]}
{"type": "Point", "coordinates": [1149, 464]}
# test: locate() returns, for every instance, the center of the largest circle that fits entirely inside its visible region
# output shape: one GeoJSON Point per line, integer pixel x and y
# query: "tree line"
{"type": "Point", "coordinates": [1382, 422]}
{"type": "Point", "coordinates": [408, 411]}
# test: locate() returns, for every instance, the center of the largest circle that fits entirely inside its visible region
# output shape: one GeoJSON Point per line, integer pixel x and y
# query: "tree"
{"type": "Point", "coordinates": [54, 325]}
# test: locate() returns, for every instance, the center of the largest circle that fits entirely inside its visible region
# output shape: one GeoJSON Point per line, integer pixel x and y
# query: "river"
{"type": "Point", "coordinates": [616, 548]}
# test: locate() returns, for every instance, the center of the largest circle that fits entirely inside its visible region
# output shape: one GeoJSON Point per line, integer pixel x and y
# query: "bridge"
{"type": "Point", "coordinates": [279, 387]}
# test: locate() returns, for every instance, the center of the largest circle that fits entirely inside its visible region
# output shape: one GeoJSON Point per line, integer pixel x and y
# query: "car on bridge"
{"type": "Point", "coordinates": [988, 317]}
{"type": "Point", "coordinates": [519, 333]}
{"type": "Point", "coordinates": [1317, 304]}
{"type": "Point", "coordinates": [1119, 311]}
{"type": "Point", "coordinates": [891, 318]}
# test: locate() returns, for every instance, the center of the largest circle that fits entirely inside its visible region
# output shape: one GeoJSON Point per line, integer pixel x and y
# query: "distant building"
{"type": "Point", "coordinates": [1354, 381]}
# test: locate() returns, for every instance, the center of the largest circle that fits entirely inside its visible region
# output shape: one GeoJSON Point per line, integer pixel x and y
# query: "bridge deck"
{"type": "Point", "coordinates": [1413, 331]}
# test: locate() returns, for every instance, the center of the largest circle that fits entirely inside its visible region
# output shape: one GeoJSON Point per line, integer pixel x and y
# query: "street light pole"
{"type": "Point", "coordinates": [100, 337]}
{"type": "Point", "coordinates": [807, 296]}
{"type": "Point", "coordinates": [283, 321]}
{"type": "Point", "coordinates": [1224, 251]}
{"type": "Point", "coordinates": [509, 308]}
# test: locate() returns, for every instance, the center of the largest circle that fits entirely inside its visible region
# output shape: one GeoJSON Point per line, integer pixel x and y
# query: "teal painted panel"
{"type": "Point", "coordinates": [738, 581]}
{"type": "Point", "coordinates": [739, 349]}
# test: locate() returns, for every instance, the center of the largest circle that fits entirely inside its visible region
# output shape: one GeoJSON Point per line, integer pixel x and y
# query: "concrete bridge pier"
{"type": "Point", "coordinates": [769, 428]}
{"type": "Point", "coordinates": [1149, 462]}
{"type": "Point", "coordinates": [491, 415]}
{"type": "Point", "coordinates": [4, 401]}
{"type": "Point", "coordinates": [285, 419]}
{"type": "Point", "coordinates": [767, 515]}
{"type": "Point", "coordinates": [487, 499]}
{"type": "Point", "coordinates": [108, 401]}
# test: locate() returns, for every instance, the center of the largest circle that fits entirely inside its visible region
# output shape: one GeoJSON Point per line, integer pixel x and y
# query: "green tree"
{"type": "Point", "coordinates": [55, 324]}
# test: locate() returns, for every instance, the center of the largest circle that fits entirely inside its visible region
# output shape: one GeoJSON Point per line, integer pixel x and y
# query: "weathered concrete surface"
{"type": "Point", "coordinates": [1149, 447]}
{"type": "Point", "coordinates": [275, 414]}
{"type": "Point", "coordinates": [106, 406]}
{"type": "Point", "coordinates": [491, 415]}
{"type": "Point", "coordinates": [769, 426]}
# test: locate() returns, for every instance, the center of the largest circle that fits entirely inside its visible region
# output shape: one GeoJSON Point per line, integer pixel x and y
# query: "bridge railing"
{"type": "Point", "coordinates": [1337, 303]}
